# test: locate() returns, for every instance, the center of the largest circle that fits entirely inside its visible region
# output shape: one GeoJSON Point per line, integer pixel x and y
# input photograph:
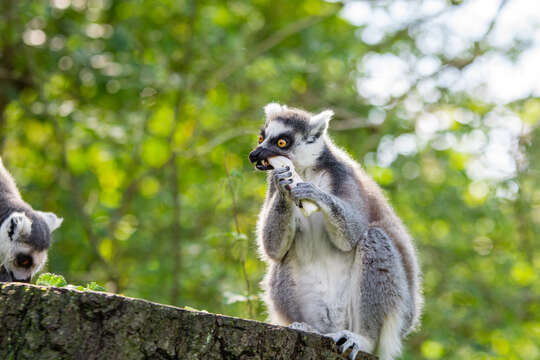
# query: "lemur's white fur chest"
{"type": "Point", "coordinates": [322, 272]}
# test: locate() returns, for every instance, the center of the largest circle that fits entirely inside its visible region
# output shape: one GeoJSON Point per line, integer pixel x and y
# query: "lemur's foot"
{"type": "Point", "coordinates": [303, 327]}
{"type": "Point", "coordinates": [348, 340]}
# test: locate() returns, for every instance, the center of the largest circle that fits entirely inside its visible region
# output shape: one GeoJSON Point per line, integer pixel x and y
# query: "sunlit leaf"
{"type": "Point", "coordinates": [48, 279]}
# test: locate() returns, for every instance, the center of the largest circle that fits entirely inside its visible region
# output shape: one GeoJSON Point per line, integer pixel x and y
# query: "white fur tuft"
{"type": "Point", "coordinates": [273, 108]}
{"type": "Point", "coordinates": [40, 258]}
{"type": "Point", "coordinates": [319, 122]}
{"type": "Point", "coordinates": [14, 226]}
{"type": "Point", "coordinates": [390, 338]}
{"type": "Point", "coordinates": [325, 116]}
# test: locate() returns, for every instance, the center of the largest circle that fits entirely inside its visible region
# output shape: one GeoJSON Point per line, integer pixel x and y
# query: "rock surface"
{"type": "Point", "coordinates": [59, 323]}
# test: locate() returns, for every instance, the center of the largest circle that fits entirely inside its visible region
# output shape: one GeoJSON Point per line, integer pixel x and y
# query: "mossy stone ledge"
{"type": "Point", "coordinates": [39, 322]}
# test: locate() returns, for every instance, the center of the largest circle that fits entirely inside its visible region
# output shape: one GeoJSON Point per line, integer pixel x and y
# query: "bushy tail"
{"type": "Point", "coordinates": [389, 345]}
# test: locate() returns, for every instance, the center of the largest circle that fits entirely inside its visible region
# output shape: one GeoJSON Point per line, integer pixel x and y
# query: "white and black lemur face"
{"type": "Point", "coordinates": [293, 133]}
{"type": "Point", "coordinates": [25, 237]}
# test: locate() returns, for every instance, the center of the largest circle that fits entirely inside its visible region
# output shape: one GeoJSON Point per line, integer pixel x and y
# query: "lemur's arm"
{"type": "Point", "coordinates": [276, 226]}
{"type": "Point", "coordinates": [344, 220]}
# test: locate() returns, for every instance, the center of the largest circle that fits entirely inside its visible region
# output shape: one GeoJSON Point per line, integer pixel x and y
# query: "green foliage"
{"type": "Point", "coordinates": [94, 286]}
{"type": "Point", "coordinates": [48, 279]}
{"type": "Point", "coordinates": [133, 121]}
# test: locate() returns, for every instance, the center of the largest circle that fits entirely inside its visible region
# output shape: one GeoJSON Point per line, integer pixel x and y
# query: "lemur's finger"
{"type": "Point", "coordinates": [280, 170]}
{"type": "Point", "coordinates": [302, 191]}
{"type": "Point", "coordinates": [285, 184]}
{"type": "Point", "coordinates": [346, 345]}
{"type": "Point", "coordinates": [284, 175]}
{"type": "Point", "coordinates": [294, 192]}
{"type": "Point", "coordinates": [354, 352]}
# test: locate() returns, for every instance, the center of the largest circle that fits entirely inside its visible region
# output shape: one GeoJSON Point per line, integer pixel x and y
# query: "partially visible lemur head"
{"type": "Point", "coordinates": [293, 133]}
{"type": "Point", "coordinates": [25, 234]}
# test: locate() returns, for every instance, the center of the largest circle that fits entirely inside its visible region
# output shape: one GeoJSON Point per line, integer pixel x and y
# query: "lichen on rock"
{"type": "Point", "coordinates": [58, 323]}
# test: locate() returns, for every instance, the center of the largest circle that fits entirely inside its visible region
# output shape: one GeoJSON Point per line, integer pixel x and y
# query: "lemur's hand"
{"type": "Point", "coordinates": [283, 179]}
{"type": "Point", "coordinates": [306, 191]}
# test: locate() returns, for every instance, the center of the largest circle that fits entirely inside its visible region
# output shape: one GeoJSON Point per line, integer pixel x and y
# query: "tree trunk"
{"type": "Point", "coordinates": [59, 323]}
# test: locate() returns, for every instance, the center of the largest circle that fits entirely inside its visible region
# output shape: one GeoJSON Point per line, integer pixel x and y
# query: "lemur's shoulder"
{"type": "Point", "coordinates": [346, 175]}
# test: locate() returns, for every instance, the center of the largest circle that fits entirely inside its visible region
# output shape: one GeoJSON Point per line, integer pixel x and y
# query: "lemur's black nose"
{"type": "Point", "coordinates": [261, 153]}
{"type": "Point", "coordinates": [255, 155]}
{"type": "Point", "coordinates": [24, 261]}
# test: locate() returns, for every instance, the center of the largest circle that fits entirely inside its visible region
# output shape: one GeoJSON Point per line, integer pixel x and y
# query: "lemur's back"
{"type": "Point", "coordinates": [8, 189]}
{"type": "Point", "coordinates": [10, 198]}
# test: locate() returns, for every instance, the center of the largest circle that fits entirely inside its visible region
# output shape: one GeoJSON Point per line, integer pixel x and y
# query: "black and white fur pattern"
{"type": "Point", "coordinates": [348, 271]}
{"type": "Point", "coordinates": [25, 234]}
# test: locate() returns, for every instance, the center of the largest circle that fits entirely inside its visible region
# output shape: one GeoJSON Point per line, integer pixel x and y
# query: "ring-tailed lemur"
{"type": "Point", "coordinates": [348, 271]}
{"type": "Point", "coordinates": [25, 234]}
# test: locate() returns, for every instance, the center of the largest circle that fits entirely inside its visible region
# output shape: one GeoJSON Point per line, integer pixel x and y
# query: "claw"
{"type": "Point", "coordinates": [354, 352]}
{"type": "Point", "coordinates": [346, 340]}
{"type": "Point", "coordinates": [346, 345]}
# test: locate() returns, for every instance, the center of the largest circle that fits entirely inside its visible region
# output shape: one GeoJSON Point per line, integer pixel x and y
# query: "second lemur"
{"type": "Point", "coordinates": [348, 271]}
{"type": "Point", "coordinates": [25, 233]}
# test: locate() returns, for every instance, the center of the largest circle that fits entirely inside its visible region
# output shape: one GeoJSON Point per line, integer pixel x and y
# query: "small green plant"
{"type": "Point", "coordinates": [48, 279]}
{"type": "Point", "coordinates": [94, 286]}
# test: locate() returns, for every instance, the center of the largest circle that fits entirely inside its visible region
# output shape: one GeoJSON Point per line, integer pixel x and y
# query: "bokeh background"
{"type": "Point", "coordinates": [133, 120]}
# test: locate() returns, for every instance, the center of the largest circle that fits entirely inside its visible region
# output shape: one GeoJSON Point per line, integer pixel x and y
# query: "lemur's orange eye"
{"type": "Point", "coordinates": [261, 139]}
{"type": "Point", "coordinates": [281, 143]}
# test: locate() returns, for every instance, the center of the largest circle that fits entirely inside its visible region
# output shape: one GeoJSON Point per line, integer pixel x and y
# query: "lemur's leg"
{"type": "Point", "coordinates": [344, 221]}
{"type": "Point", "coordinates": [382, 303]}
{"type": "Point", "coordinates": [277, 235]}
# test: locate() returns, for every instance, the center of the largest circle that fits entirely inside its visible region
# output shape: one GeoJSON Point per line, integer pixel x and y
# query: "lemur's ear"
{"type": "Point", "coordinates": [16, 225]}
{"type": "Point", "coordinates": [272, 109]}
{"type": "Point", "coordinates": [319, 123]}
{"type": "Point", "coordinates": [52, 221]}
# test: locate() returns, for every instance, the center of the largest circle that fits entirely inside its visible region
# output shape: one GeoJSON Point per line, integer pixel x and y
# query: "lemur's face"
{"type": "Point", "coordinates": [24, 241]}
{"type": "Point", "coordinates": [292, 133]}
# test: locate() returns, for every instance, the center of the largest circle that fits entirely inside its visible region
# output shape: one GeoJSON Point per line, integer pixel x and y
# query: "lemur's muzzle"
{"type": "Point", "coordinates": [259, 156]}
{"type": "Point", "coordinates": [7, 276]}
